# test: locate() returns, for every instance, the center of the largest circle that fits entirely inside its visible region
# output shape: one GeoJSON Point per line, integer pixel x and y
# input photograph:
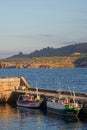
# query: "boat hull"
{"type": "Point", "coordinates": [30, 104]}
{"type": "Point", "coordinates": [61, 110]}
{"type": "Point", "coordinates": [64, 112]}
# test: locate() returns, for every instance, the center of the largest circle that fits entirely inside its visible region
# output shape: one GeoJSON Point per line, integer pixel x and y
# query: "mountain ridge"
{"type": "Point", "coordinates": [50, 51]}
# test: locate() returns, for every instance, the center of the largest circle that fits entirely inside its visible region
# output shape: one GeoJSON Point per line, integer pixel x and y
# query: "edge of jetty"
{"type": "Point", "coordinates": [9, 91]}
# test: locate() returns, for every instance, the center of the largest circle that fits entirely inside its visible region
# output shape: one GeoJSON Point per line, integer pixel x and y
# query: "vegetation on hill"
{"type": "Point", "coordinates": [44, 62]}
{"type": "Point", "coordinates": [81, 62]}
{"type": "Point", "coordinates": [63, 51]}
{"type": "Point", "coordinates": [66, 57]}
{"type": "Point", "coordinates": [47, 52]}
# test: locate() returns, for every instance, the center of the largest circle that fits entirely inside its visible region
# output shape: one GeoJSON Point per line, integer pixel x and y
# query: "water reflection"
{"type": "Point", "coordinates": [6, 111]}
{"type": "Point", "coordinates": [8, 116]}
{"type": "Point", "coordinates": [19, 118]}
{"type": "Point", "coordinates": [31, 117]}
{"type": "Point", "coordinates": [62, 123]}
{"type": "Point", "coordinates": [28, 113]}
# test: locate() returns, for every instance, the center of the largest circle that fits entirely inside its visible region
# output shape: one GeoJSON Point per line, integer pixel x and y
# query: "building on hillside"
{"type": "Point", "coordinates": [76, 53]}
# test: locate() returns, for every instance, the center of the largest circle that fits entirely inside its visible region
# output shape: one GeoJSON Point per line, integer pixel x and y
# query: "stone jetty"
{"type": "Point", "coordinates": [8, 85]}
{"type": "Point", "coordinates": [12, 87]}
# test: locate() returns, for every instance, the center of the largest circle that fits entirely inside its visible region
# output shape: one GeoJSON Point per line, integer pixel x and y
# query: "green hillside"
{"type": "Point", "coordinates": [66, 57]}
{"type": "Point", "coordinates": [51, 52]}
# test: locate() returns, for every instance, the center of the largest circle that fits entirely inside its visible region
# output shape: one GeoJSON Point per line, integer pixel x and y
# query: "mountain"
{"type": "Point", "coordinates": [50, 51]}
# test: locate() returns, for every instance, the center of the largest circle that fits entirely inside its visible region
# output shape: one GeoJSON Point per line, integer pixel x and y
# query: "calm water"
{"type": "Point", "coordinates": [13, 118]}
{"type": "Point", "coordinates": [73, 79]}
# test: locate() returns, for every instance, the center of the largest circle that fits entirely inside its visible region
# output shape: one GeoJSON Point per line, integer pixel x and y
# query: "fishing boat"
{"type": "Point", "coordinates": [64, 106]}
{"type": "Point", "coordinates": [29, 101]}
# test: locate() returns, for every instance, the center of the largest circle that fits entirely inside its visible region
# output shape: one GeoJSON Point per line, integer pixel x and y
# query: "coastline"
{"type": "Point", "coordinates": [44, 62]}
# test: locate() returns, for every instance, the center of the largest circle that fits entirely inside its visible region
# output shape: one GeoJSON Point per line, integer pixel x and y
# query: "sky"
{"type": "Point", "coordinates": [29, 25]}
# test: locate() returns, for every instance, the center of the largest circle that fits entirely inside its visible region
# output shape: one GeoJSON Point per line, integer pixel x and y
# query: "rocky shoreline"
{"type": "Point", "coordinates": [44, 62]}
{"type": "Point", "coordinates": [63, 63]}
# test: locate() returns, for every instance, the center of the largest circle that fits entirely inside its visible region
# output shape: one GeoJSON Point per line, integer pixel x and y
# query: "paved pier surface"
{"type": "Point", "coordinates": [82, 97]}
{"type": "Point", "coordinates": [46, 93]}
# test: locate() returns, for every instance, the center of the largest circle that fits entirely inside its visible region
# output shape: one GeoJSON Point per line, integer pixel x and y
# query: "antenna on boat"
{"type": "Point", "coordinates": [36, 88]}
{"type": "Point", "coordinates": [59, 90]}
{"type": "Point", "coordinates": [37, 91]}
{"type": "Point", "coordinates": [70, 91]}
{"type": "Point", "coordinates": [73, 95]}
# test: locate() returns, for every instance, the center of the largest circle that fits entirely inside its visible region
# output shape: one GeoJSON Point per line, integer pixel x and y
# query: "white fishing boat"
{"type": "Point", "coordinates": [64, 106]}
{"type": "Point", "coordinates": [29, 101]}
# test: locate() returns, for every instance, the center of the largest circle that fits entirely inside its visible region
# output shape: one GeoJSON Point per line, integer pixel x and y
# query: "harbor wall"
{"type": "Point", "coordinates": [10, 84]}
{"type": "Point", "coordinates": [9, 90]}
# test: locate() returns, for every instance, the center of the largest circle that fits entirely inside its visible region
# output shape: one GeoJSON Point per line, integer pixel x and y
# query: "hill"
{"type": "Point", "coordinates": [65, 57]}
{"type": "Point", "coordinates": [49, 51]}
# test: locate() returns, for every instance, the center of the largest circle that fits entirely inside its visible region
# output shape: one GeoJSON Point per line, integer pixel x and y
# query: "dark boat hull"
{"type": "Point", "coordinates": [64, 112]}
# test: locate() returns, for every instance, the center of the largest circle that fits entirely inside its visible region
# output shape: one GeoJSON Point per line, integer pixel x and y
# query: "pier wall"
{"type": "Point", "coordinates": [9, 91]}
{"type": "Point", "coordinates": [82, 97]}
{"type": "Point", "coordinates": [9, 84]}
{"type": "Point", "coordinates": [12, 82]}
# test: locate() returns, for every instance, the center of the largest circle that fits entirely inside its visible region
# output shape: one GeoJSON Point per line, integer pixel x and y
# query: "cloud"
{"type": "Point", "coordinates": [47, 35]}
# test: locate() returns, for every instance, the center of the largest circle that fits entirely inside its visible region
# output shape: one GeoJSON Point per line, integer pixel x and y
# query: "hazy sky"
{"type": "Point", "coordinates": [28, 25]}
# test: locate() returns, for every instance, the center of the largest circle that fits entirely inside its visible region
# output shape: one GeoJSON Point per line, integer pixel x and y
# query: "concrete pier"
{"type": "Point", "coordinates": [82, 97]}
{"type": "Point", "coordinates": [12, 87]}
{"type": "Point", "coordinates": [9, 84]}
{"type": "Point", "coordinates": [9, 90]}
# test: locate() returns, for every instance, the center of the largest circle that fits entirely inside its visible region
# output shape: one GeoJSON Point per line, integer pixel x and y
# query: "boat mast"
{"type": "Point", "coordinates": [36, 89]}
{"type": "Point", "coordinates": [70, 90]}
{"type": "Point", "coordinates": [73, 95]}
{"type": "Point", "coordinates": [59, 90]}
